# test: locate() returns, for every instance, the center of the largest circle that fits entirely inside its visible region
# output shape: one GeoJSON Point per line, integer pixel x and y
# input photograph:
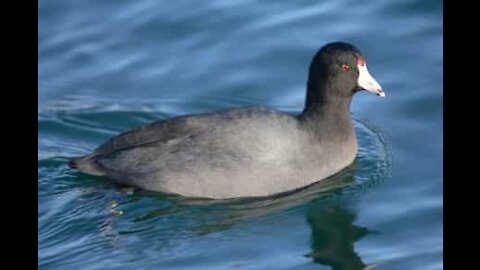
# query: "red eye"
{"type": "Point", "coordinates": [345, 67]}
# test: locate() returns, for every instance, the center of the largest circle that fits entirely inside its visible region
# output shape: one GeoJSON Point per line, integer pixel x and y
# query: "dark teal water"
{"type": "Point", "coordinates": [107, 66]}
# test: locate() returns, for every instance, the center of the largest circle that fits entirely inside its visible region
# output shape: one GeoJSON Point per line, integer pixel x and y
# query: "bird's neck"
{"type": "Point", "coordinates": [327, 113]}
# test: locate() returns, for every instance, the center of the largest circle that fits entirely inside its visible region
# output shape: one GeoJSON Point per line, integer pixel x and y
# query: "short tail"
{"type": "Point", "coordinates": [86, 164]}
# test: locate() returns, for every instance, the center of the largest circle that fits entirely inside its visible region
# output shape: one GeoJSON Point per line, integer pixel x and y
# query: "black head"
{"type": "Point", "coordinates": [339, 70]}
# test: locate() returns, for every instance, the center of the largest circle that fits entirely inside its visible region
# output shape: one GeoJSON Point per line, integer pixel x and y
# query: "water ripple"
{"type": "Point", "coordinates": [161, 222]}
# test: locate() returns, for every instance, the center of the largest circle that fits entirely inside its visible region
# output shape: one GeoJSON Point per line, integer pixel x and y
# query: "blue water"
{"type": "Point", "coordinates": [107, 66]}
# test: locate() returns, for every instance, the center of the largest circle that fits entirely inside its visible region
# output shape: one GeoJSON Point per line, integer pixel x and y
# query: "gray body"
{"type": "Point", "coordinates": [237, 153]}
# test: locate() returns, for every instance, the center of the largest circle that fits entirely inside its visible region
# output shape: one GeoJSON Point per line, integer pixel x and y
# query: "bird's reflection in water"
{"type": "Point", "coordinates": [333, 236]}
{"type": "Point", "coordinates": [333, 230]}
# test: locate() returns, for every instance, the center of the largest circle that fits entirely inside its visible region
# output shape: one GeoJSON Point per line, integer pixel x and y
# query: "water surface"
{"type": "Point", "coordinates": [107, 66]}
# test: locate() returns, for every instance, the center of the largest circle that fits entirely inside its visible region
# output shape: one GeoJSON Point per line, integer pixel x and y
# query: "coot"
{"type": "Point", "coordinates": [245, 152]}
